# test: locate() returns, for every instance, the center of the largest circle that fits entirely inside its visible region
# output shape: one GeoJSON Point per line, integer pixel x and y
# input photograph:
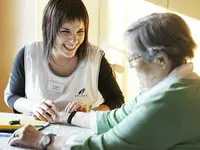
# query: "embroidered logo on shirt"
{"type": "Point", "coordinates": [81, 93]}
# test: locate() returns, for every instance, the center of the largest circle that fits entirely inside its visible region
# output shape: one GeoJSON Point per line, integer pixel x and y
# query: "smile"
{"type": "Point", "coordinates": [69, 48]}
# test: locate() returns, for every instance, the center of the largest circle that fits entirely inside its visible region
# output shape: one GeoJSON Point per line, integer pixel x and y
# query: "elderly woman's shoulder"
{"type": "Point", "coordinates": [174, 90]}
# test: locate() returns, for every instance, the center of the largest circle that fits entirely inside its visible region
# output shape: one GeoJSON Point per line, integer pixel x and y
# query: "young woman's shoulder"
{"type": "Point", "coordinates": [34, 48]}
{"type": "Point", "coordinates": [94, 49]}
{"type": "Point", "coordinates": [34, 44]}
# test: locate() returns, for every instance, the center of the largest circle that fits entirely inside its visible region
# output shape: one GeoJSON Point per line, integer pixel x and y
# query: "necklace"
{"type": "Point", "coordinates": [59, 64]}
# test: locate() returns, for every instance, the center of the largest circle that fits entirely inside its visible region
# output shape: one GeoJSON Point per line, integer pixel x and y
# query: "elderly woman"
{"type": "Point", "coordinates": [164, 116]}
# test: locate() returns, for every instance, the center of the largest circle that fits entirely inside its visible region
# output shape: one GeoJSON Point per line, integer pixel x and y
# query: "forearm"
{"type": "Point", "coordinates": [108, 86]}
{"type": "Point", "coordinates": [101, 108]}
{"type": "Point", "coordinates": [23, 105]}
{"type": "Point", "coordinates": [81, 119]}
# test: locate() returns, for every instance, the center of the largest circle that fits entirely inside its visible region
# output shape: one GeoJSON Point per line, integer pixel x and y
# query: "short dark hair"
{"type": "Point", "coordinates": [56, 13]}
{"type": "Point", "coordinates": [165, 32]}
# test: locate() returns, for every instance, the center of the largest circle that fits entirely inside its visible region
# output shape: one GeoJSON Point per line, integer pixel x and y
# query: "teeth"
{"type": "Point", "coordinates": [69, 47]}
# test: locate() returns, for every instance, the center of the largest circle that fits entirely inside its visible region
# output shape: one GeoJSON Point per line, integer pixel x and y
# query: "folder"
{"type": "Point", "coordinates": [6, 118]}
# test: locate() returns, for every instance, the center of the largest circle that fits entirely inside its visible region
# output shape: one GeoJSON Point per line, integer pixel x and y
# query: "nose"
{"type": "Point", "coordinates": [72, 39]}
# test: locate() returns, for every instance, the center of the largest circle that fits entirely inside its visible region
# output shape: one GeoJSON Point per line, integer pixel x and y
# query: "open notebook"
{"type": "Point", "coordinates": [5, 118]}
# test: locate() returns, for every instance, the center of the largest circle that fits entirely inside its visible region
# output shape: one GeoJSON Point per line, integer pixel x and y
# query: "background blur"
{"type": "Point", "coordinates": [20, 22]}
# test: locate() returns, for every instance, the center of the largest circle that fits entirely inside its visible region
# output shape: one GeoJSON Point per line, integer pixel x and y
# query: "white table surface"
{"type": "Point", "coordinates": [60, 130]}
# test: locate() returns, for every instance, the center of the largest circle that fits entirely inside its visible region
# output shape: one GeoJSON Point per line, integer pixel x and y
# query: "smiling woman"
{"type": "Point", "coordinates": [48, 74]}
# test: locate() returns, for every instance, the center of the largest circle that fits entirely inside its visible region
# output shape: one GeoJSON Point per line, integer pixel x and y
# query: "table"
{"type": "Point", "coordinates": [58, 129]}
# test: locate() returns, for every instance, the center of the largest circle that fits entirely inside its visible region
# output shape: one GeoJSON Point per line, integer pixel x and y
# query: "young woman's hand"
{"type": "Point", "coordinates": [46, 111]}
{"type": "Point", "coordinates": [76, 106]}
{"type": "Point", "coordinates": [26, 136]}
{"type": "Point", "coordinates": [72, 106]}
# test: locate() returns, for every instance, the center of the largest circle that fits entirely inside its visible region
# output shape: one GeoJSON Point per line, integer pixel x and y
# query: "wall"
{"type": "Point", "coordinates": [40, 7]}
{"type": "Point", "coordinates": [93, 11]}
{"type": "Point", "coordinates": [15, 29]}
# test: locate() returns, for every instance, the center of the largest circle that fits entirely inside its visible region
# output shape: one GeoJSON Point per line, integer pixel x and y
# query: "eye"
{"type": "Point", "coordinates": [65, 31]}
{"type": "Point", "coordinates": [81, 31]}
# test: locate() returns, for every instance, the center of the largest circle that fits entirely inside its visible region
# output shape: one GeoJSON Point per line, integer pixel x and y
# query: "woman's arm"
{"type": "Point", "coordinates": [15, 96]}
{"type": "Point", "coordinates": [152, 126]}
{"type": "Point", "coordinates": [108, 87]}
{"type": "Point", "coordinates": [15, 90]}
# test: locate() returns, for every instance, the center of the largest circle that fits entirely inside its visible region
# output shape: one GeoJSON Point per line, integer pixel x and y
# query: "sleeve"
{"type": "Point", "coordinates": [16, 84]}
{"type": "Point", "coordinates": [107, 120]}
{"type": "Point", "coordinates": [108, 87]}
{"type": "Point", "coordinates": [154, 126]}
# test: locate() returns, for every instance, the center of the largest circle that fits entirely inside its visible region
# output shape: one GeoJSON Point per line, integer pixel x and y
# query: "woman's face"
{"type": "Point", "coordinates": [134, 54]}
{"type": "Point", "coordinates": [136, 58]}
{"type": "Point", "coordinates": [70, 36]}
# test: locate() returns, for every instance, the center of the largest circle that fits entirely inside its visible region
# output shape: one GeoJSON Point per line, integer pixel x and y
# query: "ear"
{"type": "Point", "coordinates": [162, 60]}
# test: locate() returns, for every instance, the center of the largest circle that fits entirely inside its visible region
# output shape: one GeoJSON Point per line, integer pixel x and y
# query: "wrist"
{"type": "Point", "coordinates": [62, 117]}
{"type": "Point", "coordinates": [37, 142]}
{"type": "Point", "coordinates": [82, 119]}
{"type": "Point", "coordinates": [46, 141]}
{"type": "Point", "coordinates": [34, 106]}
{"type": "Point", "coordinates": [71, 116]}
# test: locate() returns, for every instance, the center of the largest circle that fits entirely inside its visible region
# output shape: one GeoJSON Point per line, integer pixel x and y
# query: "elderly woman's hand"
{"type": "Point", "coordinates": [46, 111]}
{"type": "Point", "coordinates": [26, 136]}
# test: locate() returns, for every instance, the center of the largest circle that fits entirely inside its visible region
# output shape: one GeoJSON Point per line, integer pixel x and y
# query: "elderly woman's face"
{"type": "Point", "coordinates": [136, 57]}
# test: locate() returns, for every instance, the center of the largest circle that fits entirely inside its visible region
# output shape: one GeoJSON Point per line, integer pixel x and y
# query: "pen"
{"type": "Point", "coordinates": [41, 127]}
{"type": "Point", "coordinates": [5, 134]}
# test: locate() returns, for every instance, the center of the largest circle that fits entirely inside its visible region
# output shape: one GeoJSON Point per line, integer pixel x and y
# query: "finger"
{"type": "Point", "coordinates": [66, 107]}
{"type": "Point", "coordinates": [29, 128]}
{"type": "Point", "coordinates": [39, 116]}
{"type": "Point", "coordinates": [75, 107]}
{"type": "Point", "coordinates": [35, 117]}
{"type": "Point", "coordinates": [11, 137]}
{"type": "Point", "coordinates": [16, 134]}
{"type": "Point", "coordinates": [52, 104]}
{"type": "Point", "coordinates": [15, 141]}
{"type": "Point", "coordinates": [69, 106]}
{"type": "Point", "coordinates": [84, 108]}
{"type": "Point", "coordinates": [81, 109]}
{"type": "Point", "coordinates": [44, 115]}
{"type": "Point", "coordinates": [48, 109]}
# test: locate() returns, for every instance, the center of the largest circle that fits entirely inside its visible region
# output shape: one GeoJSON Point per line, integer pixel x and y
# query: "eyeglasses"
{"type": "Point", "coordinates": [133, 57]}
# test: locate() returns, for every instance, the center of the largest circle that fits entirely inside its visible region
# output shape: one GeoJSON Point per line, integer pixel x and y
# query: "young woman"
{"type": "Point", "coordinates": [64, 71]}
